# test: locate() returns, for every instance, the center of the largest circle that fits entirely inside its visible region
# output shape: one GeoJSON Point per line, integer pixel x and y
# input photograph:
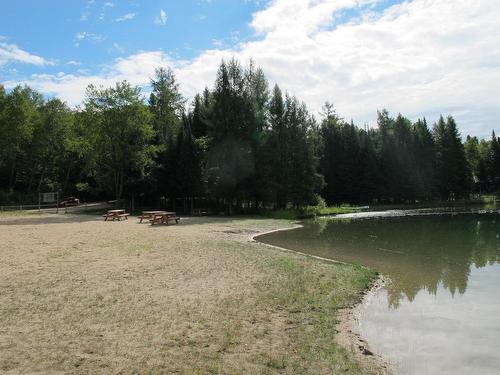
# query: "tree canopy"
{"type": "Point", "coordinates": [240, 143]}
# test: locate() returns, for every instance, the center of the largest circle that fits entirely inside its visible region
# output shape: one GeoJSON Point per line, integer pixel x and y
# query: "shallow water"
{"type": "Point", "coordinates": [441, 312]}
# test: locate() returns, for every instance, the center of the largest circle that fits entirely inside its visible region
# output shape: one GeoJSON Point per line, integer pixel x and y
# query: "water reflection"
{"type": "Point", "coordinates": [440, 313]}
{"type": "Point", "coordinates": [417, 252]}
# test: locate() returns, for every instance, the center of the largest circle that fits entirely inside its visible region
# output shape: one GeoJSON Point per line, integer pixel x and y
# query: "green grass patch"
{"type": "Point", "coordinates": [307, 212]}
{"type": "Point", "coordinates": [311, 293]}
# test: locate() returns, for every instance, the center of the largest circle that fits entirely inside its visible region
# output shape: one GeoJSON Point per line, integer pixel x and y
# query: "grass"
{"type": "Point", "coordinates": [80, 296]}
{"type": "Point", "coordinates": [13, 212]}
{"type": "Point", "coordinates": [307, 212]}
{"type": "Point", "coordinates": [311, 294]}
{"type": "Point", "coordinates": [336, 210]}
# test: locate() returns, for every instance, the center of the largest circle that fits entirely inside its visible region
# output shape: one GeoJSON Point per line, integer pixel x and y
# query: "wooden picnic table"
{"type": "Point", "coordinates": [164, 218]}
{"type": "Point", "coordinates": [150, 214]}
{"type": "Point", "coordinates": [115, 215]}
{"type": "Point", "coordinates": [199, 211]}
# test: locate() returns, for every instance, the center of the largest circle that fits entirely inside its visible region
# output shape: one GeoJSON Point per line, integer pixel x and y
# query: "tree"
{"type": "Point", "coordinates": [49, 148]}
{"type": "Point", "coordinates": [239, 143]}
{"type": "Point", "coordinates": [166, 103]}
{"type": "Point", "coordinates": [122, 124]}
{"type": "Point", "coordinates": [424, 153]}
{"type": "Point", "coordinates": [188, 163]}
{"type": "Point", "coordinates": [17, 122]}
{"type": "Point", "coordinates": [494, 162]}
{"type": "Point", "coordinates": [453, 174]}
{"type": "Point", "coordinates": [273, 153]}
{"type": "Point", "coordinates": [230, 158]}
{"type": "Point", "coordinates": [339, 157]}
{"type": "Point", "coordinates": [304, 181]}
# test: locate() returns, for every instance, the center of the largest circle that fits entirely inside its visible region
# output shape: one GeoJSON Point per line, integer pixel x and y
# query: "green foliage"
{"type": "Point", "coordinates": [240, 144]}
{"type": "Point", "coordinates": [166, 104]}
{"type": "Point", "coordinates": [122, 124]}
{"type": "Point", "coordinates": [451, 165]}
{"type": "Point", "coordinates": [400, 162]}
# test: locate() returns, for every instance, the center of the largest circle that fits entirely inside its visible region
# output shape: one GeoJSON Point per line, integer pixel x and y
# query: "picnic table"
{"type": "Point", "coordinates": [164, 218]}
{"type": "Point", "coordinates": [199, 211]}
{"type": "Point", "coordinates": [149, 214]}
{"type": "Point", "coordinates": [115, 215]}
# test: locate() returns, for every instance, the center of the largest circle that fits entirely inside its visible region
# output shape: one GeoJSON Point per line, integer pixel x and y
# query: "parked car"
{"type": "Point", "coordinates": [69, 201]}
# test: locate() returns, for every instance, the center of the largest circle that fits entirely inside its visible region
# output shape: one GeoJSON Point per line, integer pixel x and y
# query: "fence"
{"type": "Point", "coordinates": [26, 207]}
{"type": "Point", "coordinates": [51, 207]}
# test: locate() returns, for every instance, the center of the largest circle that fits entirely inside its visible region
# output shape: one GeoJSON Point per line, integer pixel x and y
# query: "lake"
{"type": "Point", "coordinates": [440, 314]}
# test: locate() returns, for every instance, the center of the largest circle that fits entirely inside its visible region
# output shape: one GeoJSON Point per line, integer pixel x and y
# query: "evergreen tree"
{"type": "Point", "coordinates": [238, 143]}
{"type": "Point", "coordinates": [453, 175]}
{"type": "Point", "coordinates": [423, 152]}
{"type": "Point", "coordinates": [303, 181]}
{"type": "Point", "coordinates": [166, 104]}
{"type": "Point", "coordinates": [274, 166]}
{"type": "Point", "coordinates": [494, 162]}
{"type": "Point", "coordinates": [471, 147]}
{"type": "Point", "coordinates": [188, 176]}
{"type": "Point", "coordinates": [230, 159]}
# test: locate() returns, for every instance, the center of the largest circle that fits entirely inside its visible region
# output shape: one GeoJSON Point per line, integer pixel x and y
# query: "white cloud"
{"type": "Point", "coordinates": [162, 18]}
{"type": "Point", "coordinates": [109, 4]}
{"type": "Point", "coordinates": [116, 48]}
{"type": "Point", "coordinates": [137, 69]}
{"type": "Point", "coordinates": [126, 17]}
{"type": "Point", "coordinates": [10, 53]}
{"type": "Point", "coordinates": [74, 63]}
{"type": "Point", "coordinates": [84, 35]}
{"type": "Point", "coordinates": [217, 43]}
{"type": "Point", "coordinates": [421, 57]}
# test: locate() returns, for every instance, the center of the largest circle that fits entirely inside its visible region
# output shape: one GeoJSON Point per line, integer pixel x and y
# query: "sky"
{"type": "Point", "coordinates": [415, 57]}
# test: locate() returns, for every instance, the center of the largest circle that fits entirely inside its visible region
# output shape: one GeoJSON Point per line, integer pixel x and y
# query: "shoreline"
{"type": "Point", "coordinates": [348, 330]}
{"type": "Point", "coordinates": [350, 336]}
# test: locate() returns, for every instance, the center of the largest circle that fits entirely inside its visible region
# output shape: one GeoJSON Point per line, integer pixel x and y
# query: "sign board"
{"type": "Point", "coordinates": [52, 197]}
{"type": "Point", "coordinates": [49, 197]}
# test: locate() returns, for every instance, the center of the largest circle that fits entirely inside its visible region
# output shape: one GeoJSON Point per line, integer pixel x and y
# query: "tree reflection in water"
{"type": "Point", "coordinates": [415, 252]}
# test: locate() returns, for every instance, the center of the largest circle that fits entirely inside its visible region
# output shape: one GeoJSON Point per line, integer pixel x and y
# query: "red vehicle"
{"type": "Point", "coordinates": [69, 201]}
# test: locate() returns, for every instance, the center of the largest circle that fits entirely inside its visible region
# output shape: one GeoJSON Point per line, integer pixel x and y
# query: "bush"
{"type": "Point", "coordinates": [11, 198]}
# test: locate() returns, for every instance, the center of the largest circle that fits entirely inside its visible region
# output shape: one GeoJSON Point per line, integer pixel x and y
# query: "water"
{"type": "Point", "coordinates": [441, 312]}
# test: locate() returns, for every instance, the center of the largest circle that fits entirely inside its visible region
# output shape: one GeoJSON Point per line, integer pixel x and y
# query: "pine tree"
{"type": "Point", "coordinates": [453, 174]}
{"type": "Point", "coordinates": [494, 162]}
{"type": "Point", "coordinates": [423, 152]}
{"type": "Point", "coordinates": [166, 104]}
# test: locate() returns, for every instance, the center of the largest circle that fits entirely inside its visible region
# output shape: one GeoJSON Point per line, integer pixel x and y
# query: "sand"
{"type": "Point", "coordinates": [82, 296]}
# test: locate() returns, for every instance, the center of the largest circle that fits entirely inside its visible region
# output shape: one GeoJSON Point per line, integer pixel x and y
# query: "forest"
{"type": "Point", "coordinates": [241, 144]}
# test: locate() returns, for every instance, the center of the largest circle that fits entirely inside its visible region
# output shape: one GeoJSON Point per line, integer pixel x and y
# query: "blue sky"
{"type": "Point", "coordinates": [93, 32]}
{"type": "Point", "coordinates": [417, 57]}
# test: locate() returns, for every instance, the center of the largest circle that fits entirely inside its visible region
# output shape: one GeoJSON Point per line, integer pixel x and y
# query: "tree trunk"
{"type": "Point", "coordinates": [66, 179]}
{"type": "Point", "coordinates": [41, 178]}
{"type": "Point", "coordinates": [13, 176]}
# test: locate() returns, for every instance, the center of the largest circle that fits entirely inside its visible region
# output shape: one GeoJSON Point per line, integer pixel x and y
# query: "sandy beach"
{"type": "Point", "coordinates": [83, 296]}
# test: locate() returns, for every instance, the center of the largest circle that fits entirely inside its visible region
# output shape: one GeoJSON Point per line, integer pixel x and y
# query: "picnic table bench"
{"type": "Point", "coordinates": [115, 215]}
{"type": "Point", "coordinates": [150, 214]}
{"type": "Point", "coordinates": [199, 211]}
{"type": "Point", "coordinates": [164, 218]}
